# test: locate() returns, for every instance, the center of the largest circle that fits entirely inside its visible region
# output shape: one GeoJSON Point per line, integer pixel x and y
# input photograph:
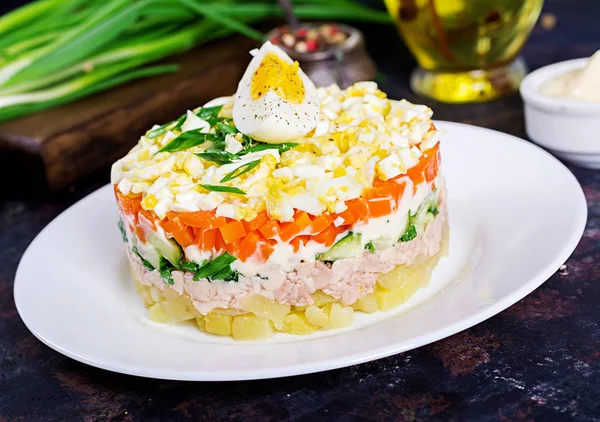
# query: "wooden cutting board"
{"type": "Point", "coordinates": [53, 148]}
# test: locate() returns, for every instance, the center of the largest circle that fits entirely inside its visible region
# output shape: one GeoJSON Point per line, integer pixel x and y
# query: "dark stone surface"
{"type": "Point", "coordinates": [538, 360]}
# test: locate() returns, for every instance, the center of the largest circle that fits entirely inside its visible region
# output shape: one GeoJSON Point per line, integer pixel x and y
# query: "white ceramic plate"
{"type": "Point", "coordinates": [516, 214]}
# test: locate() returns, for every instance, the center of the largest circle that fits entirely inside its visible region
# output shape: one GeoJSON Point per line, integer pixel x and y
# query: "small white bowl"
{"type": "Point", "coordinates": [570, 129]}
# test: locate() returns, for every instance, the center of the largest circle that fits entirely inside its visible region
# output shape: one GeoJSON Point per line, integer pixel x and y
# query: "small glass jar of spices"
{"type": "Point", "coordinates": [329, 53]}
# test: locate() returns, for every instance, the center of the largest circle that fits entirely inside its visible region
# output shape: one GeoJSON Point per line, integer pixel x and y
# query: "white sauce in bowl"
{"type": "Point", "coordinates": [579, 84]}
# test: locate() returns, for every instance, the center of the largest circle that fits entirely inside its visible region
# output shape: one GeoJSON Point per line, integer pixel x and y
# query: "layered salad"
{"type": "Point", "coordinates": [283, 207]}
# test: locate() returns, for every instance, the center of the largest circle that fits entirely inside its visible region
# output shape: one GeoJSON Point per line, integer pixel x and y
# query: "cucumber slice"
{"type": "Point", "coordinates": [165, 247]}
{"type": "Point", "coordinates": [149, 253]}
{"type": "Point", "coordinates": [424, 215]}
{"type": "Point", "coordinates": [347, 247]}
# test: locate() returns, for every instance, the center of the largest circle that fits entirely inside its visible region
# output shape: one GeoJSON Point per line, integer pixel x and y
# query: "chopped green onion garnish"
{"type": "Point", "coordinates": [209, 112]}
{"type": "Point", "coordinates": [240, 170]}
{"type": "Point", "coordinates": [190, 266]}
{"type": "Point", "coordinates": [148, 265]}
{"type": "Point", "coordinates": [122, 230]}
{"type": "Point", "coordinates": [187, 140]}
{"type": "Point", "coordinates": [161, 130]}
{"type": "Point", "coordinates": [226, 274]}
{"type": "Point", "coordinates": [215, 266]}
{"type": "Point", "coordinates": [226, 189]}
{"type": "Point", "coordinates": [410, 234]}
{"type": "Point", "coordinates": [166, 276]}
{"type": "Point", "coordinates": [217, 156]}
{"type": "Point", "coordinates": [370, 247]}
{"type": "Point", "coordinates": [286, 146]}
{"type": "Point", "coordinates": [227, 129]}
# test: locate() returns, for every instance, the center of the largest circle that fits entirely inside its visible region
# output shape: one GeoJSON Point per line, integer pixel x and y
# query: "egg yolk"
{"type": "Point", "coordinates": [279, 76]}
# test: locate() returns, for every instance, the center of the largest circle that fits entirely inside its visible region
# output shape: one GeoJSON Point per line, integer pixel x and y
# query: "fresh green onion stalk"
{"type": "Point", "coordinates": [56, 51]}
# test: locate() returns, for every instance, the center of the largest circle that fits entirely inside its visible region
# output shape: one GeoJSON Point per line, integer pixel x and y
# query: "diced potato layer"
{"type": "Point", "coordinates": [269, 309]}
{"type": "Point", "coordinates": [317, 316]}
{"type": "Point", "coordinates": [367, 304]}
{"type": "Point", "coordinates": [340, 316]}
{"type": "Point", "coordinates": [251, 327]}
{"type": "Point", "coordinates": [259, 317]}
{"type": "Point", "coordinates": [218, 324]}
{"type": "Point", "coordinates": [296, 323]}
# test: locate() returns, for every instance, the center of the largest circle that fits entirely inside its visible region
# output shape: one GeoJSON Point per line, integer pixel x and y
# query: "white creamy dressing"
{"type": "Point", "coordinates": [195, 254]}
{"type": "Point", "coordinates": [385, 231]}
{"type": "Point", "coordinates": [578, 84]}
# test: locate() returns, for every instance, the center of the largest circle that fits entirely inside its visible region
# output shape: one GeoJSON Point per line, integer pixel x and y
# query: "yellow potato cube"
{"type": "Point", "coordinates": [167, 293]}
{"type": "Point", "coordinates": [296, 323]}
{"type": "Point", "coordinates": [139, 287]}
{"type": "Point", "coordinates": [147, 299]}
{"type": "Point", "coordinates": [179, 309]}
{"type": "Point", "coordinates": [266, 308]}
{"type": "Point", "coordinates": [144, 292]}
{"type": "Point", "coordinates": [412, 284]}
{"type": "Point", "coordinates": [232, 312]}
{"type": "Point", "coordinates": [388, 299]}
{"type": "Point", "coordinates": [445, 248]}
{"type": "Point", "coordinates": [316, 316]}
{"type": "Point", "coordinates": [155, 294]}
{"type": "Point", "coordinates": [340, 316]}
{"type": "Point", "coordinates": [201, 323]}
{"type": "Point", "coordinates": [251, 327]}
{"type": "Point", "coordinates": [299, 308]}
{"type": "Point", "coordinates": [321, 298]}
{"type": "Point", "coordinates": [156, 313]}
{"type": "Point", "coordinates": [218, 324]}
{"type": "Point", "coordinates": [403, 274]}
{"type": "Point", "coordinates": [366, 304]}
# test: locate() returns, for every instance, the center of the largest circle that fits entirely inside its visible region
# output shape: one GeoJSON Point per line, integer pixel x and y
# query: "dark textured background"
{"type": "Point", "coordinates": [538, 360]}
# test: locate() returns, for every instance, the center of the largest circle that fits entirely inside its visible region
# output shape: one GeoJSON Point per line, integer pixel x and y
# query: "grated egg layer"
{"type": "Point", "coordinates": [361, 136]}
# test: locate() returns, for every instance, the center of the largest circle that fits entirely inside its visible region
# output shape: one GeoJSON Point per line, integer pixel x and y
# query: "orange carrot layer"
{"type": "Point", "coordinates": [249, 244]}
{"type": "Point", "coordinates": [202, 219]}
{"type": "Point", "coordinates": [270, 229]}
{"type": "Point", "coordinates": [232, 231]}
{"type": "Point", "coordinates": [300, 223]}
{"type": "Point", "coordinates": [205, 239]}
{"type": "Point", "coordinates": [357, 211]}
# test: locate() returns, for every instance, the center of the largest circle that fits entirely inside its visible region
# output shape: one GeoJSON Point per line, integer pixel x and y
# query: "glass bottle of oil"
{"type": "Point", "coordinates": [466, 49]}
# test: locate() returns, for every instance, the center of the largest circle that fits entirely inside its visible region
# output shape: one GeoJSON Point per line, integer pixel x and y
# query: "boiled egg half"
{"type": "Point", "coordinates": [275, 101]}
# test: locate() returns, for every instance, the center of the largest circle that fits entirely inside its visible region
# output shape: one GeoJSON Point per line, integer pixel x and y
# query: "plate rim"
{"type": "Point", "coordinates": [332, 363]}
